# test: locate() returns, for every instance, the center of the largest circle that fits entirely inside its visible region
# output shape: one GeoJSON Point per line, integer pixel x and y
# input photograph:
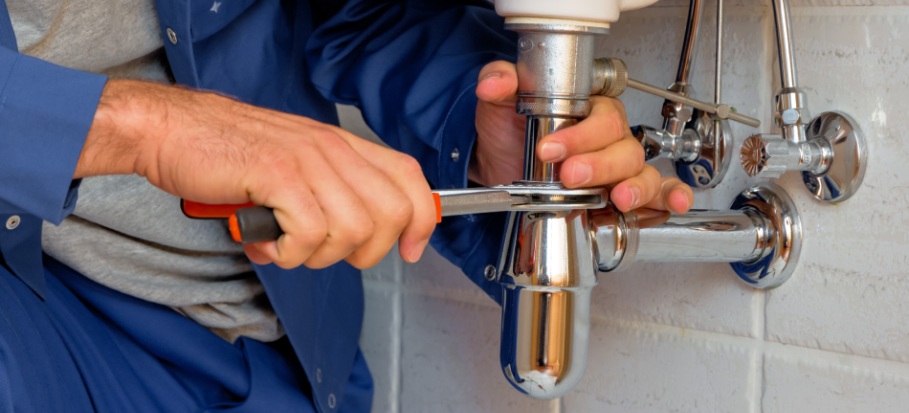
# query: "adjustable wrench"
{"type": "Point", "coordinates": [251, 223]}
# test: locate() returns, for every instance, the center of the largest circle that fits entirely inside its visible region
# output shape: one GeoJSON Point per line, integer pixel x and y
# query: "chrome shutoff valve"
{"type": "Point", "coordinates": [831, 159]}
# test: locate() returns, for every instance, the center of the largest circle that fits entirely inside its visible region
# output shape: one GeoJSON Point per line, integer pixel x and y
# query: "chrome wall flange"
{"type": "Point", "coordinates": [783, 238]}
{"type": "Point", "coordinates": [713, 156]}
{"type": "Point", "coordinates": [846, 169]}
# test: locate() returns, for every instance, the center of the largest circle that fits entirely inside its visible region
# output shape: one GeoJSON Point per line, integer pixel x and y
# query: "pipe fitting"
{"type": "Point", "coordinates": [760, 236]}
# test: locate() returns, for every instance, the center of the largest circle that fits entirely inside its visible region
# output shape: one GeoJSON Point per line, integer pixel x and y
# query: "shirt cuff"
{"type": "Point", "coordinates": [45, 115]}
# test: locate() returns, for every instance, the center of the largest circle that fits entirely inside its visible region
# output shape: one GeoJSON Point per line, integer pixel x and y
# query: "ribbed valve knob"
{"type": "Point", "coordinates": [768, 156]}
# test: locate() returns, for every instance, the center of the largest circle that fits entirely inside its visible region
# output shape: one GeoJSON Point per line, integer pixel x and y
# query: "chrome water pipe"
{"type": "Point", "coordinates": [782, 21]}
{"type": "Point", "coordinates": [791, 112]}
{"type": "Point", "coordinates": [760, 236]}
{"type": "Point", "coordinates": [829, 149]}
{"type": "Point", "coordinates": [676, 115]}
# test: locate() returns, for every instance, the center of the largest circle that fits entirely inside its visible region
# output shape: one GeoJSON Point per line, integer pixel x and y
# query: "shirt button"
{"type": "Point", "coordinates": [171, 35]}
{"type": "Point", "coordinates": [455, 155]}
{"type": "Point", "coordinates": [490, 272]}
{"type": "Point", "coordinates": [13, 222]}
{"type": "Point", "coordinates": [331, 401]}
{"type": "Point", "coordinates": [318, 375]}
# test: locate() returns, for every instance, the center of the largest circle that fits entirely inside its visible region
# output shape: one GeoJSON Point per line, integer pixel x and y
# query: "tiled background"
{"type": "Point", "coordinates": [688, 337]}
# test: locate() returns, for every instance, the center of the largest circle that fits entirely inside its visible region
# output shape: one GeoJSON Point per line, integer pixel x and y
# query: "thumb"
{"type": "Point", "coordinates": [498, 83]}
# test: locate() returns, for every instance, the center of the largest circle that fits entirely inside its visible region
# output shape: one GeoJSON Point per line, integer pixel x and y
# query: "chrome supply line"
{"type": "Point", "coordinates": [718, 74]}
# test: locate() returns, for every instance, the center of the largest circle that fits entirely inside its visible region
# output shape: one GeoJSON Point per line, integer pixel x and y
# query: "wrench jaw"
{"type": "Point", "coordinates": [520, 196]}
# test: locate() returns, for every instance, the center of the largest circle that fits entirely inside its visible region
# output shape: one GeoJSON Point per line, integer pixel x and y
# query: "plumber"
{"type": "Point", "coordinates": [113, 301]}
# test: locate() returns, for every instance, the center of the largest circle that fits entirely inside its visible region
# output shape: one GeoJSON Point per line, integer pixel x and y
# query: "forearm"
{"type": "Point", "coordinates": [117, 137]}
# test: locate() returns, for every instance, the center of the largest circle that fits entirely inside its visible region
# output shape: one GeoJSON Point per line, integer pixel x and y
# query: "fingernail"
{"type": "Point", "coordinates": [551, 151]}
{"type": "Point", "coordinates": [416, 252]}
{"type": "Point", "coordinates": [581, 173]}
{"type": "Point", "coordinates": [635, 197]}
{"type": "Point", "coordinates": [491, 76]}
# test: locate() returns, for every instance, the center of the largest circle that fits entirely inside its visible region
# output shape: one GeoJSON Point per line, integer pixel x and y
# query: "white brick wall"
{"type": "Point", "coordinates": [689, 338]}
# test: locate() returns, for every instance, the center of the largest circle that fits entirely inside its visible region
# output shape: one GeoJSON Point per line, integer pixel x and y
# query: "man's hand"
{"type": "Point", "coordinates": [336, 196]}
{"type": "Point", "coordinates": [598, 151]}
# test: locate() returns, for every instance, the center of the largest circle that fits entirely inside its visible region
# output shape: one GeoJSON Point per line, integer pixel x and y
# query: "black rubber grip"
{"type": "Point", "coordinates": [258, 224]}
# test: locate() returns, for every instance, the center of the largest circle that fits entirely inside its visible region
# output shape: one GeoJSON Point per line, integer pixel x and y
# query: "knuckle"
{"type": "Point", "coordinates": [332, 142]}
{"type": "Point", "coordinates": [409, 166]}
{"type": "Point", "coordinates": [636, 155]}
{"type": "Point", "coordinates": [396, 209]}
{"type": "Point", "coordinates": [619, 107]}
{"type": "Point", "coordinates": [615, 125]}
{"type": "Point", "coordinates": [638, 162]}
{"type": "Point", "coordinates": [357, 230]}
{"type": "Point", "coordinates": [313, 236]}
{"type": "Point", "coordinates": [398, 212]}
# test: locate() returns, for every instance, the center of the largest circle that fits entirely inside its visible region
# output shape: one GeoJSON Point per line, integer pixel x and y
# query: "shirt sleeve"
{"type": "Point", "coordinates": [45, 114]}
{"type": "Point", "coordinates": [411, 67]}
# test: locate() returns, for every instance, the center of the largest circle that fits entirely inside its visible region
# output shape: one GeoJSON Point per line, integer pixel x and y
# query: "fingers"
{"type": "Point", "coordinates": [408, 217]}
{"type": "Point", "coordinates": [605, 125]}
{"type": "Point", "coordinates": [616, 162]}
{"type": "Point", "coordinates": [342, 190]}
{"type": "Point", "coordinates": [674, 196]}
{"type": "Point", "coordinates": [498, 83]}
{"type": "Point", "coordinates": [649, 190]}
{"type": "Point", "coordinates": [368, 198]}
{"type": "Point", "coordinates": [499, 151]}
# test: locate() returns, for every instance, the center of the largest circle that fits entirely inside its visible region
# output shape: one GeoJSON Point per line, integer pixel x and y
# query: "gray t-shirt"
{"type": "Point", "coordinates": [125, 233]}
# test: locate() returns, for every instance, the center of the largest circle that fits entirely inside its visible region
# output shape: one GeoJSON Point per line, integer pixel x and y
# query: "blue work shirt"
{"type": "Point", "coordinates": [411, 68]}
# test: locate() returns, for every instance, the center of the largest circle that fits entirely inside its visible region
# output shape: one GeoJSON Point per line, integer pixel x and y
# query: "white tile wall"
{"type": "Point", "coordinates": [688, 338]}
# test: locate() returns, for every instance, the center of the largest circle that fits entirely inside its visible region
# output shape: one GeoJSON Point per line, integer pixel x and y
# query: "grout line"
{"type": "Point", "coordinates": [757, 340]}
{"type": "Point", "coordinates": [397, 325]}
{"type": "Point", "coordinates": [398, 265]}
{"type": "Point", "coordinates": [893, 368]}
{"type": "Point", "coordinates": [756, 373]}
{"type": "Point", "coordinates": [466, 296]}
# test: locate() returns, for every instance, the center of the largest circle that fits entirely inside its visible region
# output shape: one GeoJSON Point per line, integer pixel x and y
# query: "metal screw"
{"type": "Point", "coordinates": [13, 222]}
{"type": "Point", "coordinates": [455, 155]}
{"type": "Point", "coordinates": [171, 35]}
{"type": "Point", "coordinates": [490, 272]}
{"type": "Point", "coordinates": [810, 182]}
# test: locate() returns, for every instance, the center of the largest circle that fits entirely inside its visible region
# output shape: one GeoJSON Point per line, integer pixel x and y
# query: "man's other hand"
{"type": "Point", "coordinates": [598, 151]}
